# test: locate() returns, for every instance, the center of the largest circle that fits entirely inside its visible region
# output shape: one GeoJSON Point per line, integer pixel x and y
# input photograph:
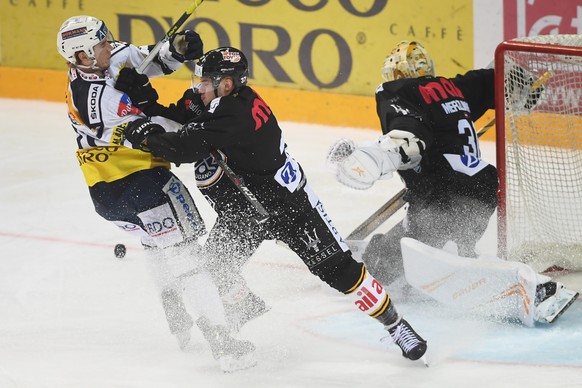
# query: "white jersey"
{"type": "Point", "coordinates": [99, 112]}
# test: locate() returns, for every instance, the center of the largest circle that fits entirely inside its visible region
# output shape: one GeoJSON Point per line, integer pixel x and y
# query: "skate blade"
{"type": "Point", "coordinates": [565, 303]}
{"type": "Point", "coordinates": [230, 364]}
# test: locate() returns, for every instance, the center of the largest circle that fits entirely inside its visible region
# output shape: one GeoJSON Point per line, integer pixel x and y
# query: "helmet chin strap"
{"type": "Point", "coordinates": [92, 66]}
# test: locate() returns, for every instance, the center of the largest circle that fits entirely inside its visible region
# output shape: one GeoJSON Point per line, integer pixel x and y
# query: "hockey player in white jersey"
{"type": "Point", "coordinates": [429, 139]}
{"type": "Point", "coordinates": [135, 190]}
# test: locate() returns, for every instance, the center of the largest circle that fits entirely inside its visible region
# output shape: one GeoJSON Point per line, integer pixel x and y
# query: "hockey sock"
{"type": "Point", "coordinates": [370, 297]}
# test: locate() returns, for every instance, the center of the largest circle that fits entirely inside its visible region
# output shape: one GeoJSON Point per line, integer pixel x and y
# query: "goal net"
{"type": "Point", "coordinates": [539, 150]}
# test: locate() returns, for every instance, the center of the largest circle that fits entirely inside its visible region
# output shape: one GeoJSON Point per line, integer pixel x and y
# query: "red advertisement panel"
{"type": "Point", "coordinates": [541, 17]}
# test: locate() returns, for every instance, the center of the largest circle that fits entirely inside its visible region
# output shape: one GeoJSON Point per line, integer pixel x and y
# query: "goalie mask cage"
{"type": "Point", "coordinates": [538, 86]}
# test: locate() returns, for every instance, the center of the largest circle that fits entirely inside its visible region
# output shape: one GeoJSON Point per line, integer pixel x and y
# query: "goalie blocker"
{"type": "Point", "coordinates": [487, 285]}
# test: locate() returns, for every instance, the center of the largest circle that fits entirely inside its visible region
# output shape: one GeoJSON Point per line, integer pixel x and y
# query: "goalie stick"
{"type": "Point", "coordinates": [397, 201]}
{"type": "Point", "coordinates": [242, 187]}
{"type": "Point", "coordinates": [171, 32]}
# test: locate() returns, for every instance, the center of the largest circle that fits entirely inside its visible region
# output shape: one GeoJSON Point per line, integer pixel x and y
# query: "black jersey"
{"type": "Point", "coordinates": [439, 111]}
{"type": "Point", "coordinates": [243, 128]}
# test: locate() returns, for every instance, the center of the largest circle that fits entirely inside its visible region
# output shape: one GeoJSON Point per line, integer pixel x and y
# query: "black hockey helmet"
{"type": "Point", "coordinates": [221, 62]}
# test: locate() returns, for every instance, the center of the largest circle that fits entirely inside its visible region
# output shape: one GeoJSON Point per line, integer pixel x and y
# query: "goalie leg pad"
{"type": "Point", "coordinates": [498, 288]}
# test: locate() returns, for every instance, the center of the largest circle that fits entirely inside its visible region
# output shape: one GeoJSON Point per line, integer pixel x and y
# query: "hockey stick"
{"type": "Point", "coordinates": [171, 32]}
{"type": "Point", "coordinates": [378, 217]}
{"type": "Point", "coordinates": [394, 204]}
{"type": "Point", "coordinates": [242, 187]}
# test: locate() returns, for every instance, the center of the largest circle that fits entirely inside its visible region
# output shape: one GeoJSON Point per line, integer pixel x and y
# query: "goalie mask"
{"type": "Point", "coordinates": [81, 33]}
{"type": "Point", "coordinates": [219, 63]}
{"type": "Point", "coordinates": [407, 60]}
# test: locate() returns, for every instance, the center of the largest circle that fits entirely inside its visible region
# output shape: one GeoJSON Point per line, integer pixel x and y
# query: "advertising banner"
{"type": "Point", "coordinates": [335, 46]}
{"type": "Point", "coordinates": [541, 17]}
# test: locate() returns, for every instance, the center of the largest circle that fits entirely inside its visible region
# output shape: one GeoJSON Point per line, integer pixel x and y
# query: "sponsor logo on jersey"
{"type": "Point", "coordinates": [470, 161]}
{"type": "Point", "coordinates": [260, 112]}
{"type": "Point", "coordinates": [193, 107]}
{"type": "Point", "coordinates": [288, 174]}
{"type": "Point", "coordinates": [117, 136]}
{"type": "Point", "coordinates": [93, 103]}
{"type": "Point", "coordinates": [95, 155]}
{"type": "Point", "coordinates": [214, 104]}
{"type": "Point", "coordinates": [435, 91]}
{"type": "Point", "coordinates": [126, 107]}
{"type": "Point", "coordinates": [207, 172]}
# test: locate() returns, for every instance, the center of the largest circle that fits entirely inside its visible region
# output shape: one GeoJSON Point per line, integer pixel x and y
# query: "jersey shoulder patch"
{"type": "Point", "coordinates": [86, 94]}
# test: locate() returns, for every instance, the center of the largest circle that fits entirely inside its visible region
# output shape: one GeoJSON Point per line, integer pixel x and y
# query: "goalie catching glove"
{"type": "Point", "coordinates": [397, 150]}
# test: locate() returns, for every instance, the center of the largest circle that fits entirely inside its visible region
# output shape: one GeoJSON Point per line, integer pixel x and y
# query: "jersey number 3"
{"type": "Point", "coordinates": [472, 148]}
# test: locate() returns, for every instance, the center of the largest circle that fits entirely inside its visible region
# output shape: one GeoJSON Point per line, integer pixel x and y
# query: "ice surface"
{"type": "Point", "coordinates": [74, 316]}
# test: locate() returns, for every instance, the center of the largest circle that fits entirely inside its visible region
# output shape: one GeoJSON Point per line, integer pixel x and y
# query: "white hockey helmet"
{"type": "Point", "coordinates": [407, 60]}
{"type": "Point", "coordinates": [81, 33]}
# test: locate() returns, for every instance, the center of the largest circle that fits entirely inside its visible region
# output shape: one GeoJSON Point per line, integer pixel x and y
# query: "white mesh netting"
{"type": "Point", "coordinates": [543, 147]}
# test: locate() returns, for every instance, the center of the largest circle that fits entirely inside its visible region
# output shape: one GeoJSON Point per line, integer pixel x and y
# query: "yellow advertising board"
{"type": "Point", "coordinates": [329, 46]}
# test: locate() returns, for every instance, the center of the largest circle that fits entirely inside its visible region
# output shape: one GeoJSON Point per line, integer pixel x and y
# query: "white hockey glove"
{"type": "Point", "coordinates": [408, 146]}
{"type": "Point", "coordinates": [338, 152]}
{"type": "Point", "coordinates": [366, 165]}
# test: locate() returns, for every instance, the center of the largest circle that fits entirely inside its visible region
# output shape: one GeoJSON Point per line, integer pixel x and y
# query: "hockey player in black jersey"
{"type": "Point", "coordinates": [228, 246]}
{"type": "Point", "coordinates": [239, 124]}
{"type": "Point", "coordinates": [429, 138]}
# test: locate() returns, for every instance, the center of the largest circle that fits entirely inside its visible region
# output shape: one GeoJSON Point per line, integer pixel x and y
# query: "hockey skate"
{"type": "Point", "coordinates": [231, 353]}
{"type": "Point", "coordinates": [238, 314]}
{"type": "Point", "coordinates": [552, 300]}
{"type": "Point", "coordinates": [412, 345]}
{"type": "Point", "coordinates": [179, 321]}
{"type": "Point", "coordinates": [183, 339]}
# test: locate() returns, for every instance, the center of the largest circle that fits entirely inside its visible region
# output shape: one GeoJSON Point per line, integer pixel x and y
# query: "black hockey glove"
{"type": "Point", "coordinates": [186, 46]}
{"type": "Point", "coordinates": [137, 131]}
{"type": "Point", "coordinates": [137, 87]}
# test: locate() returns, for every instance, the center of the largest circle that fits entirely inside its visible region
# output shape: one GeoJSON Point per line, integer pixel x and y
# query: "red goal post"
{"type": "Point", "coordinates": [539, 150]}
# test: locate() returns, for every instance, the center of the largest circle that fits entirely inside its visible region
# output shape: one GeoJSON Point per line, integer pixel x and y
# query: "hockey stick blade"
{"type": "Point", "coordinates": [171, 32]}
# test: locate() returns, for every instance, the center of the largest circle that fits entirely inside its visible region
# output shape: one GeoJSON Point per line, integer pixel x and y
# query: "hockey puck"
{"type": "Point", "coordinates": [120, 251]}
